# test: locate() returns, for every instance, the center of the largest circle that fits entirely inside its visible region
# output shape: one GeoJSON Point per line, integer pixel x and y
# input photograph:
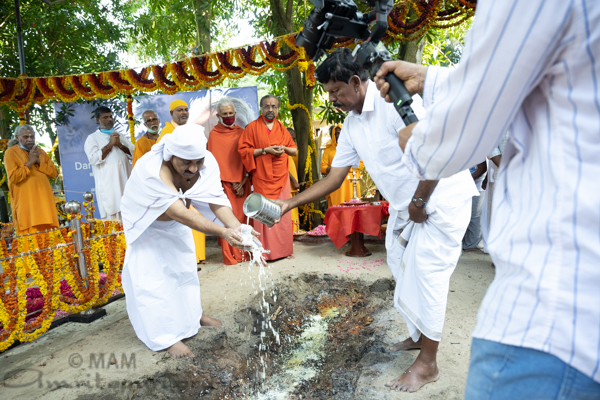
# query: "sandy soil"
{"type": "Point", "coordinates": [77, 360]}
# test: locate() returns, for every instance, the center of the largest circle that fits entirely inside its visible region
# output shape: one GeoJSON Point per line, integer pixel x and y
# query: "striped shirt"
{"type": "Point", "coordinates": [531, 67]}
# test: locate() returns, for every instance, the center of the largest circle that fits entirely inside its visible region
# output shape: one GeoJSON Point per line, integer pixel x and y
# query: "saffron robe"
{"type": "Point", "coordinates": [270, 177]}
{"type": "Point", "coordinates": [169, 128]}
{"type": "Point", "coordinates": [142, 146]}
{"type": "Point", "coordinates": [31, 196]}
{"type": "Point", "coordinates": [346, 191]}
{"type": "Point", "coordinates": [199, 237]}
{"type": "Point", "coordinates": [110, 174]}
{"type": "Point", "coordinates": [159, 275]}
{"type": "Point", "coordinates": [223, 144]}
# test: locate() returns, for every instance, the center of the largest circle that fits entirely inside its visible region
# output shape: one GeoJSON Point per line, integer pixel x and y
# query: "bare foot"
{"type": "Point", "coordinates": [417, 375]}
{"type": "Point", "coordinates": [180, 350]}
{"type": "Point", "coordinates": [408, 344]}
{"type": "Point", "coordinates": [290, 257]}
{"type": "Point", "coordinates": [203, 262]}
{"type": "Point", "coordinates": [208, 321]}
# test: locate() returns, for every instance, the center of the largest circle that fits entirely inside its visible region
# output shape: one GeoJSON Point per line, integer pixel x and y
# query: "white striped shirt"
{"type": "Point", "coordinates": [531, 67]}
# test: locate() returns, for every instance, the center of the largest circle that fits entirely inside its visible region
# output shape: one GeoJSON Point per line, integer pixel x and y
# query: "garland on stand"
{"type": "Point", "coordinates": [49, 267]}
{"type": "Point", "coordinates": [130, 119]}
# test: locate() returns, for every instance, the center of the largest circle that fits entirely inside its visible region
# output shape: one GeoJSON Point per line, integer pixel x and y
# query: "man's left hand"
{"type": "Point", "coordinates": [404, 134]}
{"type": "Point", "coordinates": [416, 214]}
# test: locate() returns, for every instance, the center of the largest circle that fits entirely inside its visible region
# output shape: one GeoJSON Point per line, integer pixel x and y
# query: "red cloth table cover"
{"type": "Point", "coordinates": [342, 221]}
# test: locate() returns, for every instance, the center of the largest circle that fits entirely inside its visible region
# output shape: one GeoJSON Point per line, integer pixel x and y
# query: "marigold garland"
{"type": "Point", "coordinates": [211, 70]}
{"type": "Point", "coordinates": [45, 269]}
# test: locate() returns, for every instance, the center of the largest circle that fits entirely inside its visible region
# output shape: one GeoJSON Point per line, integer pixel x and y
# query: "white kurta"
{"type": "Point", "coordinates": [373, 137]}
{"type": "Point", "coordinates": [159, 275]}
{"type": "Point", "coordinates": [110, 174]}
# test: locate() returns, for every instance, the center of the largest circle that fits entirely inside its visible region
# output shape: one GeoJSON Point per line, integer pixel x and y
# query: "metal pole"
{"type": "Point", "coordinates": [20, 38]}
{"type": "Point", "coordinates": [78, 242]}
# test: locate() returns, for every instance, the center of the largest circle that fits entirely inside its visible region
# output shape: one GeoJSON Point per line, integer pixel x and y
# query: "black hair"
{"type": "Point", "coordinates": [101, 110]}
{"type": "Point", "coordinates": [339, 66]}
{"type": "Point", "coordinates": [270, 96]}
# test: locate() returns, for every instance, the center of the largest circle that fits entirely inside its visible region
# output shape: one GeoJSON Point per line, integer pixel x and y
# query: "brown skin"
{"type": "Point", "coordinates": [270, 109]}
{"type": "Point", "coordinates": [180, 174]}
{"type": "Point", "coordinates": [413, 76]}
{"type": "Point", "coordinates": [106, 121]}
{"type": "Point", "coordinates": [180, 115]}
{"type": "Point", "coordinates": [152, 122]}
{"type": "Point", "coordinates": [424, 370]}
{"type": "Point", "coordinates": [229, 111]}
{"type": "Point", "coordinates": [350, 97]}
{"type": "Point", "coordinates": [27, 139]}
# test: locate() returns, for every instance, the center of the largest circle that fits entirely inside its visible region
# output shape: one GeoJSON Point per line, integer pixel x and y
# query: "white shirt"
{"type": "Point", "coordinates": [110, 174]}
{"type": "Point", "coordinates": [373, 137]}
{"type": "Point", "coordinates": [531, 67]}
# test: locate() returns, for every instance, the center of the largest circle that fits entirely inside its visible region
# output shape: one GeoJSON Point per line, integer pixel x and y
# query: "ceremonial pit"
{"type": "Point", "coordinates": [321, 330]}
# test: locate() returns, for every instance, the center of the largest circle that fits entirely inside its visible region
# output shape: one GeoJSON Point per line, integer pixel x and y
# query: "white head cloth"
{"type": "Point", "coordinates": [186, 141]}
{"type": "Point", "coordinates": [147, 197]}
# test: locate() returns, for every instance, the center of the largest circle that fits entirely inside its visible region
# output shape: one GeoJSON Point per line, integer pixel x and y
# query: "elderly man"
{"type": "Point", "coordinates": [265, 146]}
{"type": "Point", "coordinates": [223, 144]}
{"type": "Point", "coordinates": [110, 153]}
{"type": "Point", "coordinates": [532, 69]}
{"type": "Point", "coordinates": [145, 143]}
{"type": "Point", "coordinates": [159, 274]}
{"type": "Point", "coordinates": [28, 168]}
{"type": "Point", "coordinates": [425, 227]}
{"type": "Point", "coordinates": [180, 113]}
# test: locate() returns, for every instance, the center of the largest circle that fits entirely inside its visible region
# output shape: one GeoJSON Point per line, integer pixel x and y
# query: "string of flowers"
{"type": "Point", "coordinates": [49, 267]}
{"type": "Point", "coordinates": [130, 119]}
{"type": "Point", "coordinates": [408, 21]}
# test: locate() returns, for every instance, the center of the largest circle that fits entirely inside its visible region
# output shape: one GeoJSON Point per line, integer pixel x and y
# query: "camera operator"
{"type": "Point", "coordinates": [532, 67]}
{"type": "Point", "coordinates": [432, 223]}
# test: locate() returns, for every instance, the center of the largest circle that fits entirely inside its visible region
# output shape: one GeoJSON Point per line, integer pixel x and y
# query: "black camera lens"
{"type": "Point", "coordinates": [310, 35]}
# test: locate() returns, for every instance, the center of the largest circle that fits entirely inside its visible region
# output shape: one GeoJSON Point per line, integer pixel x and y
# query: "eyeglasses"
{"type": "Point", "coordinates": [268, 107]}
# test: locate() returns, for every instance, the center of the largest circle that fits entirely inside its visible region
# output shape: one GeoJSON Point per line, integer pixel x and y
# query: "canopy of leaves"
{"type": "Point", "coordinates": [165, 30]}
{"type": "Point", "coordinates": [63, 38]}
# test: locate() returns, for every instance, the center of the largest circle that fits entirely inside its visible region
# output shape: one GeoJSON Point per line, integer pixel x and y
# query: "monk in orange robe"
{"type": "Point", "coordinates": [28, 168]}
{"type": "Point", "coordinates": [180, 114]}
{"type": "Point", "coordinates": [223, 144]}
{"type": "Point", "coordinates": [145, 143]}
{"type": "Point", "coordinates": [346, 191]}
{"type": "Point", "coordinates": [265, 146]}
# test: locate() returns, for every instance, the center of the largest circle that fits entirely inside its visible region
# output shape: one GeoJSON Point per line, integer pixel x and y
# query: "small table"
{"type": "Point", "coordinates": [354, 221]}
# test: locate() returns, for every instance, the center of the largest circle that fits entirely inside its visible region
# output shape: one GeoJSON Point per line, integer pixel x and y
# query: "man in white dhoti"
{"type": "Point", "coordinates": [110, 154]}
{"type": "Point", "coordinates": [159, 276]}
{"type": "Point", "coordinates": [425, 227]}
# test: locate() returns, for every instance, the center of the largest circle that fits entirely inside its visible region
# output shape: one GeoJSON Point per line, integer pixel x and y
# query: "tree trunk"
{"type": "Point", "coordinates": [44, 113]}
{"type": "Point", "coordinates": [203, 20]}
{"type": "Point", "coordinates": [411, 51]}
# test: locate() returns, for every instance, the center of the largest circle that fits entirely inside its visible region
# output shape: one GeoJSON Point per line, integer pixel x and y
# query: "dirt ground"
{"type": "Point", "coordinates": [105, 360]}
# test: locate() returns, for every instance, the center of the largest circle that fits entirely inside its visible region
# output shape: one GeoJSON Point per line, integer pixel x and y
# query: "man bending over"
{"type": "Point", "coordinates": [159, 275]}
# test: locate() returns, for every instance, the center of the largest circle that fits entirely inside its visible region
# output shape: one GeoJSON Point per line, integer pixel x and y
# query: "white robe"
{"type": "Point", "coordinates": [423, 256]}
{"type": "Point", "coordinates": [110, 174]}
{"type": "Point", "coordinates": [159, 276]}
{"type": "Point", "coordinates": [422, 287]}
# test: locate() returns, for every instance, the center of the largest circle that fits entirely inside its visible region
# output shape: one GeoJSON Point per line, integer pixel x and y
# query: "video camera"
{"type": "Point", "coordinates": [331, 19]}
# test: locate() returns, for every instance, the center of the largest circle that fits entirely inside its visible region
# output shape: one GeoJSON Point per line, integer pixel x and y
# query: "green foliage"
{"type": "Point", "coordinates": [60, 39]}
{"type": "Point", "coordinates": [166, 30]}
{"type": "Point", "coordinates": [444, 47]}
